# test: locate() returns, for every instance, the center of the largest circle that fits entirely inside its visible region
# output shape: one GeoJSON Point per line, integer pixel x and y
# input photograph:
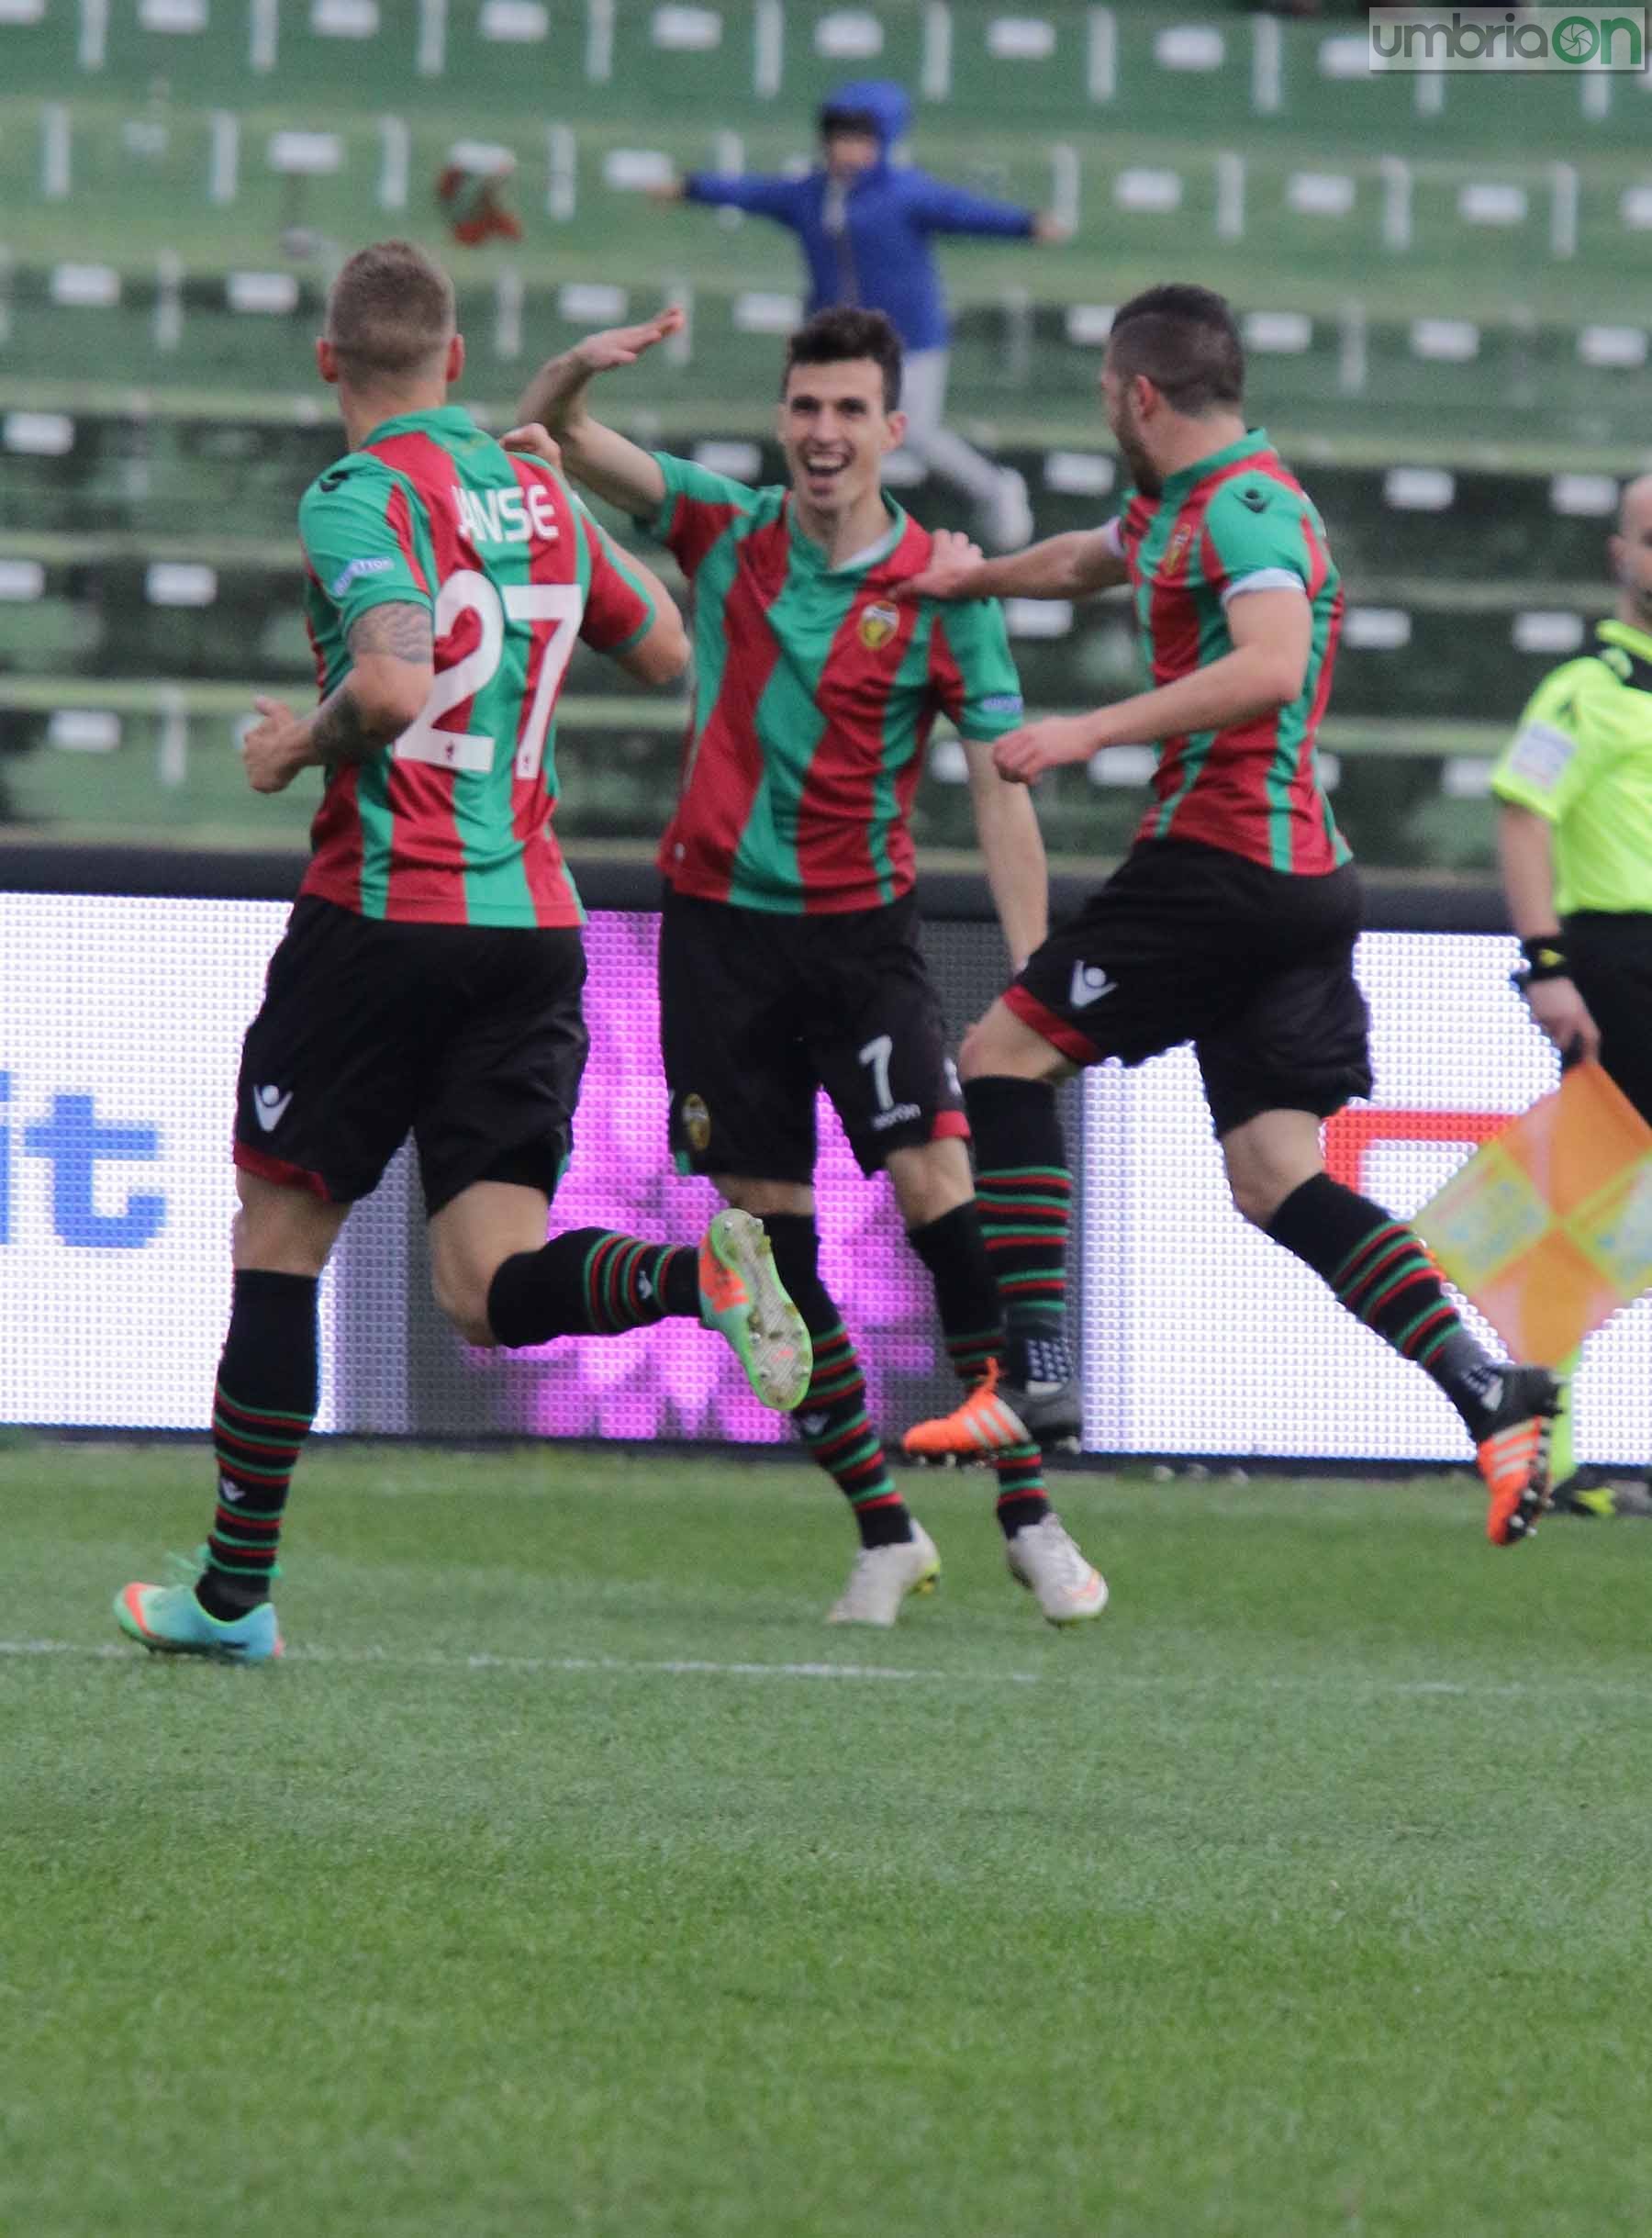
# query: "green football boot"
{"type": "Point", "coordinates": [169, 1620]}
{"type": "Point", "coordinates": [743, 1299]}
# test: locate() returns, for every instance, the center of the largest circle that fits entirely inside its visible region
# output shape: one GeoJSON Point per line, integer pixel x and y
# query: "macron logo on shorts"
{"type": "Point", "coordinates": [270, 1107]}
{"type": "Point", "coordinates": [1090, 982]}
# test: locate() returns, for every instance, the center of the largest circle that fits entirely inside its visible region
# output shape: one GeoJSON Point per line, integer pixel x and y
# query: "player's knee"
{"type": "Point", "coordinates": [270, 1240]}
{"type": "Point", "coordinates": [930, 1179]}
{"type": "Point", "coordinates": [998, 1045]}
{"type": "Point", "coordinates": [766, 1200]}
{"type": "Point", "coordinates": [1258, 1186]}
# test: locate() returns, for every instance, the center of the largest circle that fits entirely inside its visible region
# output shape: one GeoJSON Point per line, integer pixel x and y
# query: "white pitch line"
{"type": "Point", "coordinates": [556, 1666]}
{"type": "Point", "coordinates": [1167, 1683]}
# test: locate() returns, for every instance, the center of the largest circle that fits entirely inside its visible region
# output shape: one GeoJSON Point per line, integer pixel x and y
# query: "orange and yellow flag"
{"type": "Point", "coordinates": [1547, 1228]}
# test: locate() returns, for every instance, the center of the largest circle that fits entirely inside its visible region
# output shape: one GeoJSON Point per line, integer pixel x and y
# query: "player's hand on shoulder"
{"type": "Point", "coordinates": [276, 747]}
{"type": "Point", "coordinates": [534, 441]}
{"type": "Point", "coordinates": [1023, 756]}
{"type": "Point", "coordinates": [1565, 1017]}
{"type": "Point", "coordinates": [952, 562]}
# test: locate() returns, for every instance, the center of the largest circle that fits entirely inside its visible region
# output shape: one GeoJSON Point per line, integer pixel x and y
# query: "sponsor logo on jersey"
{"type": "Point", "coordinates": [877, 625]}
{"type": "Point", "coordinates": [1254, 496]}
{"type": "Point", "coordinates": [697, 1122]}
{"type": "Point", "coordinates": [347, 574]}
{"type": "Point", "coordinates": [1004, 703]}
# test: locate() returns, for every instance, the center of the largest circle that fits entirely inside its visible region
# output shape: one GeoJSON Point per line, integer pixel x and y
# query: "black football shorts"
{"type": "Point", "coordinates": [759, 1010]}
{"type": "Point", "coordinates": [1189, 943]}
{"type": "Point", "coordinates": [470, 1038]}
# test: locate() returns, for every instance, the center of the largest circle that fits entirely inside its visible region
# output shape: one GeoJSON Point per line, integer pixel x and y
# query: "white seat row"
{"type": "Point", "coordinates": [1081, 42]}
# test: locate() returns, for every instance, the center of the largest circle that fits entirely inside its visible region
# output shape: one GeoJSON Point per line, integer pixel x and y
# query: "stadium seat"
{"type": "Point", "coordinates": [1208, 75]}
{"type": "Point", "coordinates": [1430, 277]}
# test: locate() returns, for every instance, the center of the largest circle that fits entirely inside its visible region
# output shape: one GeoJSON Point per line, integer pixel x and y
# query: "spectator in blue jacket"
{"type": "Point", "coordinates": [865, 223]}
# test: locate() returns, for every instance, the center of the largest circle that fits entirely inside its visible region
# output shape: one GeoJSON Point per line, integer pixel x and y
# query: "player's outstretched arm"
{"type": "Point", "coordinates": [1075, 566]}
{"type": "Point", "coordinates": [609, 463]}
{"type": "Point", "coordinates": [392, 668]}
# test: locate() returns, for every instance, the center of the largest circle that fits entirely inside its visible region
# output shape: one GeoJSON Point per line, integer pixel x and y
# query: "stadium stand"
{"type": "Point", "coordinates": [1432, 273]}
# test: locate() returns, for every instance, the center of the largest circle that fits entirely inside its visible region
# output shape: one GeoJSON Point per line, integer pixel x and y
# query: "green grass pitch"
{"type": "Point", "coordinates": [570, 1877]}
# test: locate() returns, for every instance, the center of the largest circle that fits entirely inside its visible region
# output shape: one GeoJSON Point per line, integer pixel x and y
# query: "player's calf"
{"type": "Point", "coordinates": [1380, 1271]}
{"type": "Point", "coordinates": [597, 1282]}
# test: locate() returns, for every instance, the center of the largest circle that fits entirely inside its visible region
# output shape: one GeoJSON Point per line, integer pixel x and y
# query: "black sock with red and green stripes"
{"type": "Point", "coordinates": [591, 1283]}
{"type": "Point", "coordinates": [265, 1401]}
{"type": "Point", "coordinates": [1025, 1190]}
{"type": "Point", "coordinates": [954, 1251]}
{"type": "Point", "coordinates": [837, 1431]}
{"type": "Point", "coordinates": [1380, 1269]}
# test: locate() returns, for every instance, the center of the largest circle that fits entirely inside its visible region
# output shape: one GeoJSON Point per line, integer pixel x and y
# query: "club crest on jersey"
{"type": "Point", "coordinates": [1175, 554]}
{"type": "Point", "coordinates": [697, 1122]}
{"type": "Point", "coordinates": [877, 625]}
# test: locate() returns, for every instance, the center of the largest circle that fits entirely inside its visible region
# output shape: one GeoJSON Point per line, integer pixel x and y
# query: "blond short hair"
{"type": "Point", "coordinates": [390, 313]}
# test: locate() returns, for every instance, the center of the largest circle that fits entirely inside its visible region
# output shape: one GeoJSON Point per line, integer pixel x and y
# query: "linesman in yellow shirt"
{"type": "Point", "coordinates": [1574, 789]}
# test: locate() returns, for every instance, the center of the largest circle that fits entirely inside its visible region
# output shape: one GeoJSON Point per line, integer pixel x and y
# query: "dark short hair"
{"type": "Point", "coordinates": [389, 312]}
{"type": "Point", "coordinates": [848, 120]}
{"type": "Point", "coordinates": [1186, 342]}
{"type": "Point", "coordinates": [832, 338]}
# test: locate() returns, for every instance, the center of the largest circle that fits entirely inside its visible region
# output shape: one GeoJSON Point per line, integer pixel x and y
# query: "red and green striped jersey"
{"type": "Point", "coordinates": [1237, 520]}
{"type": "Point", "coordinates": [451, 825]}
{"type": "Point", "coordinates": [815, 693]}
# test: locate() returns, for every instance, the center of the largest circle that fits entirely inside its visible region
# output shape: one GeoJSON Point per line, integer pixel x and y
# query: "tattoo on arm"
{"type": "Point", "coordinates": [339, 732]}
{"type": "Point", "coordinates": [398, 628]}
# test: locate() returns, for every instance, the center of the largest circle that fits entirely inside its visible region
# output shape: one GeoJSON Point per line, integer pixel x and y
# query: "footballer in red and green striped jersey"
{"type": "Point", "coordinates": [1231, 922]}
{"type": "Point", "coordinates": [816, 690]}
{"type": "Point", "coordinates": [1237, 521]}
{"type": "Point", "coordinates": [428, 981]}
{"type": "Point", "coordinates": [453, 825]}
{"type": "Point", "coordinates": [791, 960]}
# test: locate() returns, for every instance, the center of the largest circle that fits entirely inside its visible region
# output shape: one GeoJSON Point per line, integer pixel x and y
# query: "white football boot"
{"type": "Point", "coordinates": [882, 1578]}
{"type": "Point", "coordinates": [1042, 1558]}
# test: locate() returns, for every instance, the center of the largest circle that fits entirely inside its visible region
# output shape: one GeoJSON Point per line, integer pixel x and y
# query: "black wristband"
{"type": "Point", "coordinates": [1546, 958]}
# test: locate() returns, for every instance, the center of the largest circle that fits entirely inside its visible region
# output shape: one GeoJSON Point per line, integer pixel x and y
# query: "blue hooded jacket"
{"type": "Point", "coordinates": [880, 258]}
